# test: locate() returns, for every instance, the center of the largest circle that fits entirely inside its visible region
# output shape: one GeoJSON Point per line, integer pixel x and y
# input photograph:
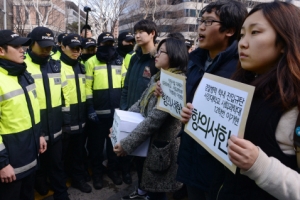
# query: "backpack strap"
{"type": "Point", "coordinates": [297, 140]}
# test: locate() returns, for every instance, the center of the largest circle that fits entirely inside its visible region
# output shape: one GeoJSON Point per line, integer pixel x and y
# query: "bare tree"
{"type": "Point", "coordinates": [43, 9]}
{"type": "Point", "coordinates": [106, 13]}
{"type": "Point", "coordinates": [27, 14]}
{"type": "Point", "coordinates": [18, 16]}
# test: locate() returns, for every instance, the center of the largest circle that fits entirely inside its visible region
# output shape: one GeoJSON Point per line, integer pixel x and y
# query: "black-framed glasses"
{"type": "Point", "coordinates": [159, 52]}
{"type": "Point", "coordinates": [207, 22]}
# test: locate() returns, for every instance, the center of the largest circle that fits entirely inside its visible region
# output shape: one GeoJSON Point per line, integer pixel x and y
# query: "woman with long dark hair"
{"type": "Point", "coordinates": [269, 60]}
{"type": "Point", "coordinates": [159, 171]}
{"type": "Point", "coordinates": [269, 55]}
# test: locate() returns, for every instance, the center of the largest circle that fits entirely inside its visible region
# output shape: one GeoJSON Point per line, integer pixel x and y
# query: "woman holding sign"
{"type": "Point", "coordinates": [269, 60]}
{"type": "Point", "coordinates": [160, 165]}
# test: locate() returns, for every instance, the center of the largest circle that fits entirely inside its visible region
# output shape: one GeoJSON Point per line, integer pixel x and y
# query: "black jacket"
{"type": "Point", "coordinates": [140, 70]}
{"type": "Point", "coordinates": [196, 166]}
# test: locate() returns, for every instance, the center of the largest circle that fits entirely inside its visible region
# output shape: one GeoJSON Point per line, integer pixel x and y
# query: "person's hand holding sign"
{"type": "Point", "coordinates": [242, 153]}
{"type": "Point", "coordinates": [186, 113]}
{"type": "Point", "coordinates": [158, 91]}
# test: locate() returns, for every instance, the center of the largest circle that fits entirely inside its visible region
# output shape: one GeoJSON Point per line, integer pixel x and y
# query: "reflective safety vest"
{"type": "Point", "coordinates": [103, 85]}
{"type": "Point", "coordinates": [53, 95]}
{"type": "Point", "coordinates": [125, 66]}
{"type": "Point", "coordinates": [56, 55]}
{"type": "Point", "coordinates": [76, 85]}
{"type": "Point", "coordinates": [20, 125]}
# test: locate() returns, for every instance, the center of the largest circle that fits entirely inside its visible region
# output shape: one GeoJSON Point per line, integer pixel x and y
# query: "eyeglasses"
{"type": "Point", "coordinates": [207, 22]}
{"type": "Point", "coordinates": [159, 52]}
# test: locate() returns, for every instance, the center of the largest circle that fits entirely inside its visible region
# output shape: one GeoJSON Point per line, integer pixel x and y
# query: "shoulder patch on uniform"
{"type": "Point", "coordinates": [118, 61]}
{"type": "Point", "coordinates": [55, 66]}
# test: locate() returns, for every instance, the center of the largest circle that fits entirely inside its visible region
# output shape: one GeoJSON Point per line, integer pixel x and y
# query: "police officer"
{"type": "Point", "coordinates": [89, 47]}
{"type": "Point", "coordinates": [56, 55]}
{"type": "Point", "coordinates": [86, 31]}
{"type": "Point", "coordinates": [125, 48]}
{"type": "Point", "coordinates": [20, 141]}
{"type": "Point", "coordinates": [126, 42]}
{"type": "Point", "coordinates": [103, 89]}
{"type": "Point", "coordinates": [51, 84]}
{"type": "Point", "coordinates": [75, 72]}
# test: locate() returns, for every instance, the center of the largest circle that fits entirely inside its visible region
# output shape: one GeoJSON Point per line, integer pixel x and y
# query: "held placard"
{"type": "Point", "coordinates": [174, 95]}
{"type": "Point", "coordinates": [221, 108]}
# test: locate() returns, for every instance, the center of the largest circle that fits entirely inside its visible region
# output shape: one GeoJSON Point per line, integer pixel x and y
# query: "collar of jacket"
{"type": "Point", "coordinates": [59, 49]}
{"type": "Point", "coordinates": [199, 56]}
{"type": "Point", "coordinates": [106, 53]}
{"type": "Point", "coordinates": [140, 54]}
{"type": "Point", "coordinates": [66, 59]}
{"type": "Point", "coordinates": [37, 59]}
{"type": "Point", "coordinates": [12, 68]}
{"type": "Point", "coordinates": [85, 57]}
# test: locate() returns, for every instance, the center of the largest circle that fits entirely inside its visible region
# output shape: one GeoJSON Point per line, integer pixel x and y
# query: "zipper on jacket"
{"type": "Point", "coordinates": [219, 191]}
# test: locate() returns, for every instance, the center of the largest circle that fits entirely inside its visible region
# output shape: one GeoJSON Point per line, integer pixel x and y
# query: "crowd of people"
{"type": "Point", "coordinates": [57, 103]}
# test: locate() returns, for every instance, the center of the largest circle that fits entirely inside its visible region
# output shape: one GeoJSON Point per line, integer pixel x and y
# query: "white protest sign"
{"type": "Point", "coordinates": [173, 98]}
{"type": "Point", "coordinates": [221, 108]}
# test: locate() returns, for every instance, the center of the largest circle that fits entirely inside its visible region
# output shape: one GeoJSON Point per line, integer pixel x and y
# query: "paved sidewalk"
{"type": "Point", "coordinates": [108, 192]}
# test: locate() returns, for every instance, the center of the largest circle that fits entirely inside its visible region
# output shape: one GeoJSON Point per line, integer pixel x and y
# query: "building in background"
{"type": "Point", "coordinates": [72, 17]}
{"type": "Point", "coordinates": [170, 15]}
{"type": "Point", "coordinates": [5, 11]}
{"type": "Point", "coordinates": [28, 14]}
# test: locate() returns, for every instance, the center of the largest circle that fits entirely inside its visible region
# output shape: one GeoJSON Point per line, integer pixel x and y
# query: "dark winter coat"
{"type": "Point", "coordinates": [196, 167]}
{"type": "Point", "coordinates": [140, 70]}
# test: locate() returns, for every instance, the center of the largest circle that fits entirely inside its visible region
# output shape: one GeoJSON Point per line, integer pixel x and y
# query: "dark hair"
{"type": "Point", "coordinates": [231, 13]}
{"type": "Point", "coordinates": [4, 46]}
{"type": "Point", "coordinates": [147, 26]}
{"type": "Point", "coordinates": [177, 35]}
{"type": "Point", "coordinates": [284, 77]}
{"type": "Point", "coordinates": [176, 49]}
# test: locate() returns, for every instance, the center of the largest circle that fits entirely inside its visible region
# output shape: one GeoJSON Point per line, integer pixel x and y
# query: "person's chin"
{"type": "Point", "coordinates": [202, 45]}
{"type": "Point", "coordinates": [19, 61]}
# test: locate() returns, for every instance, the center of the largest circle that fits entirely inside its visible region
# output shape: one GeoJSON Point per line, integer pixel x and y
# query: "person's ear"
{"type": "Point", "coordinates": [152, 33]}
{"type": "Point", "coordinates": [2, 51]}
{"type": "Point", "coordinates": [63, 48]}
{"type": "Point", "coordinates": [229, 32]}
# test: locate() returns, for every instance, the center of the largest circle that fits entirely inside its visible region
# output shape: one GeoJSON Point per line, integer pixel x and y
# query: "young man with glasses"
{"type": "Point", "coordinates": [217, 54]}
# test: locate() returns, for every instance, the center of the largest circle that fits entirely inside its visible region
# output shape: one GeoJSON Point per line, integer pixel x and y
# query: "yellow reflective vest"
{"type": "Point", "coordinates": [76, 84]}
{"type": "Point", "coordinates": [53, 94]}
{"type": "Point", "coordinates": [56, 55]}
{"type": "Point", "coordinates": [103, 85]}
{"type": "Point", "coordinates": [125, 66]}
{"type": "Point", "coordinates": [20, 125]}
